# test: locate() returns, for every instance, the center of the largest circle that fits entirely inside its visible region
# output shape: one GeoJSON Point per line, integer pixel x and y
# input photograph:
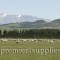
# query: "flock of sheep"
{"type": "Point", "coordinates": [31, 40]}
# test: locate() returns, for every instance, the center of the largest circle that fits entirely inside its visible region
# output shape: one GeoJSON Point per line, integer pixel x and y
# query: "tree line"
{"type": "Point", "coordinates": [31, 33]}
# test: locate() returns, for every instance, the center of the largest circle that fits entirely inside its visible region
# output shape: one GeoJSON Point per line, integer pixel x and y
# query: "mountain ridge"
{"type": "Point", "coordinates": [36, 24]}
{"type": "Point", "coordinates": [26, 21]}
{"type": "Point", "coordinates": [6, 18]}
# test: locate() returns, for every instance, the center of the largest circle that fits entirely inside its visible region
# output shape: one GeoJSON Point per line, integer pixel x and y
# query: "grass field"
{"type": "Point", "coordinates": [29, 56]}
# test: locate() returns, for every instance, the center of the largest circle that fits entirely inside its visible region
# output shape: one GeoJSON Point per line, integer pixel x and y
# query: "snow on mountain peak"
{"type": "Point", "coordinates": [19, 16]}
{"type": "Point", "coordinates": [2, 15]}
{"type": "Point", "coordinates": [5, 15]}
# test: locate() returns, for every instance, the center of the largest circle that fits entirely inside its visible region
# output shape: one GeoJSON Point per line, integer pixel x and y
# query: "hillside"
{"type": "Point", "coordinates": [36, 24]}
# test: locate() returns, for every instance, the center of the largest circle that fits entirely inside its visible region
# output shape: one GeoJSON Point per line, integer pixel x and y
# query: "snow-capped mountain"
{"type": "Point", "coordinates": [27, 21]}
{"type": "Point", "coordinates": [5, 18]}
{"type": "Point", "coordinates": [29, 18]}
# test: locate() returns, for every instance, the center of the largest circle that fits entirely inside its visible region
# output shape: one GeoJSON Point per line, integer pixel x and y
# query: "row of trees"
{"type": "Point", "coordinates": [32, 33]}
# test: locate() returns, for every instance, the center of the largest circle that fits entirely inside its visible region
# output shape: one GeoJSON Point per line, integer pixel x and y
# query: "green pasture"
{"type": "Point", "coordinates": [29, 56]}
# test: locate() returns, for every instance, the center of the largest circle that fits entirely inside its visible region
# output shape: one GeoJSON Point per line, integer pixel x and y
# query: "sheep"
{"type": "Point", "coordinates": [18, 42]}
{"type": "Point", "coordinates": [24, 40]}
{"type": "Point", "coordinates": [36, 40]}
{"type": "Point", "coordinates": [51, 41]}
{"type": "Point", "coordinates": [47, 41]}
{"type": "Point", "coordinates": [4, 40]}
{"type": "Point", "coordinates": [32, 40]}
{"type": "Point", "coordinates": [41, 40]}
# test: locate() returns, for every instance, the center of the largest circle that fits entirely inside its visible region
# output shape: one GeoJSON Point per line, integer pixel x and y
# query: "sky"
{"type": "Point", "coordinates": [49, 9]}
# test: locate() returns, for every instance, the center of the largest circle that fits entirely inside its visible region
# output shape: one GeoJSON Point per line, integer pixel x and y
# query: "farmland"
{"type": "Point", "coordinates": [29, 44]}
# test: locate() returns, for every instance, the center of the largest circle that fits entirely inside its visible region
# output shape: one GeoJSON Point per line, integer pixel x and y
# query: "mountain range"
{"type": "Point", "coordinates": [26, 21]}
{"type": "Point", "coordinates": [5, 18]}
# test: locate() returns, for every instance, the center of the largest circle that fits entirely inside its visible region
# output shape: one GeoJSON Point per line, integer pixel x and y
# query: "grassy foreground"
{"type": "Point", "coordinates": [29, 56]}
